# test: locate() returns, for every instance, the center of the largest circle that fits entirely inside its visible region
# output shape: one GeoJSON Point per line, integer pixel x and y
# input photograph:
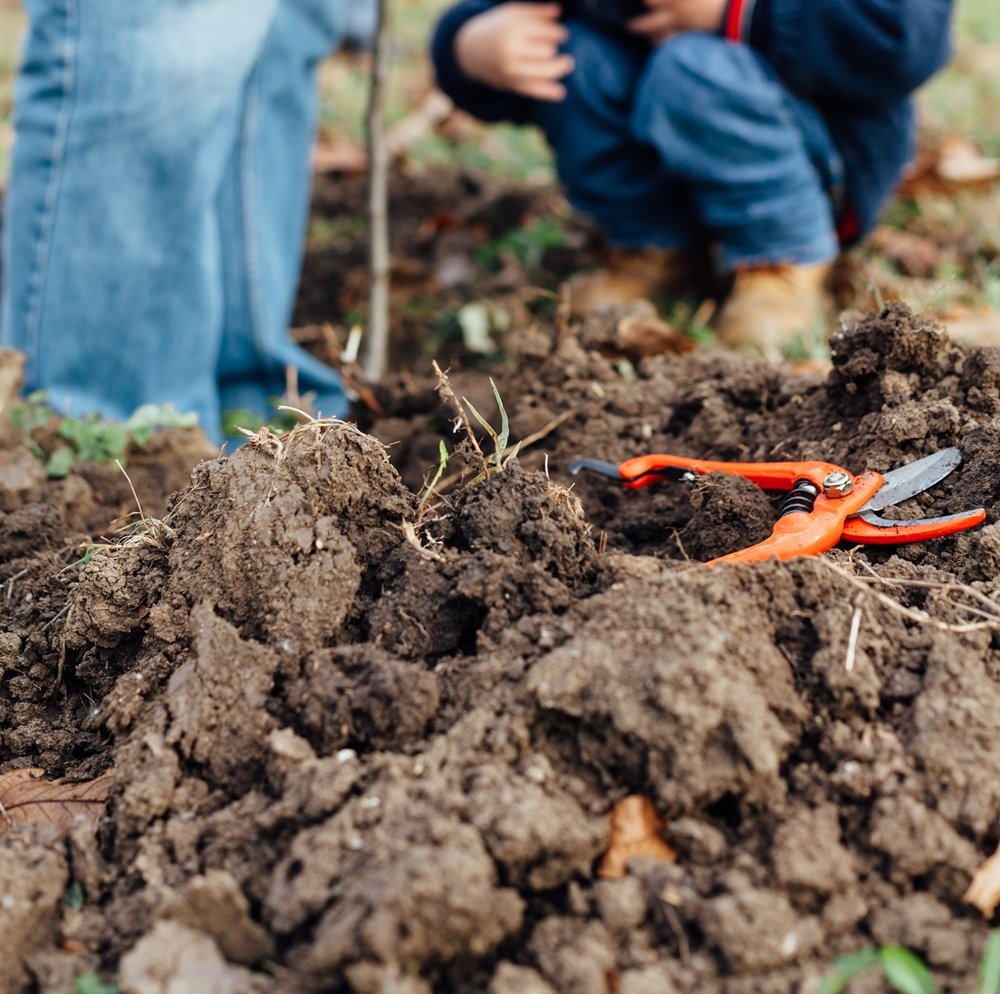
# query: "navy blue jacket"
{"type": "Point", "coordinates": [858, 61]}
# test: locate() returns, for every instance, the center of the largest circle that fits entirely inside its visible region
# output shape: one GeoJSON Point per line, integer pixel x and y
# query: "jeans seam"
{"type": "Point", "coordinates": [247, 194]}
{"type": "Point", "coordinates": [46, 220]}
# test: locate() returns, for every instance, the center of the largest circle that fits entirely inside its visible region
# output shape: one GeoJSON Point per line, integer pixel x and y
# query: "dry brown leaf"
{"type": "Point", "coordinates": [642, 335]}
{"type": "Point", "coordinates": [25, 798]}
{"type": "Point", "coordinates": [955, 164]}
{"type": "Point", "coordinates": [635, 831]}
{"type": "Point", "coordinates": [984, 891]}
{"type": "Point", "coordinates": [431, 113]}
{"type": "Point", "coordinates": [912, 254]}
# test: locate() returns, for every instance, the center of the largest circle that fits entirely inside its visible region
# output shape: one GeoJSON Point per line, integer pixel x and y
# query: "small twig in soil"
{"type": "Point", "coordinates": [376, 344]}
{"type": "Point", "coordinates": [61, 669]}
{"type": "Point", "coordinates": [410, 534]}
{"type": "Point", "coordinates": [852, 639]}
{"type": "Point", "coordinates": [55, 618]}
{"type": "Point", "coordinates": [11, 580]}
{"type": "Point", "coordinates": [563, 313]}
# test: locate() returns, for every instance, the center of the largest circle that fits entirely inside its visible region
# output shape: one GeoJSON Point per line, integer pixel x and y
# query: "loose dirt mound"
{"type": "Point", "coordinates": [368, 744]}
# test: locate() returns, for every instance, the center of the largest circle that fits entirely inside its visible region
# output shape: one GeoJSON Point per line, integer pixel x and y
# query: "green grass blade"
{"type": "Point", "coordinates": [501, 439]}
{"type": "Point", "coordinates": [989, 968]}
{"type": "Point", "coordinates": [846, 968]}
{"type": "Point", "coordinates": [905, 971]}
{"type": "Point", "coordinates": [486, 425]}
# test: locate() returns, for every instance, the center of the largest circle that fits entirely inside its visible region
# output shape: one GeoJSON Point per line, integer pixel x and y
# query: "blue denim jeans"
{"type": "Point", "coordinates": [157, 204]}
{"type": "Point", "coordinates": [694, 142]}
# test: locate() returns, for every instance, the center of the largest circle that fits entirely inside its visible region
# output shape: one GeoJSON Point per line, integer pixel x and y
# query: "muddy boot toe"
{"type": "Point", "coordinates": [639, 274]}
{"type": "Point", "coordinates": [769, 308]}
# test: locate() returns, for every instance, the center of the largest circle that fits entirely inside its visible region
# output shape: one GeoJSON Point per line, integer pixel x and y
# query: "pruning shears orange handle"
{"type": "Point", "coordinates": [864, 533]}
{"type": "Point", "coordinates": [824, 502]}
{"type": "Point", "coordinates": [807, 533]}
{"type": "Point", "coordinates": [644, 470]}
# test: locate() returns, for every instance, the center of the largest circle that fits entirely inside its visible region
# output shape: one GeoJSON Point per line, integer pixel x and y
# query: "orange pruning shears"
{"type": "Point", "coordinates": [823, 505]}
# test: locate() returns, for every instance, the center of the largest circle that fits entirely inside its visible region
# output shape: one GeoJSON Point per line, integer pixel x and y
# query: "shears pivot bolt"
{"type": "Point", "coordinates": [837, 484]}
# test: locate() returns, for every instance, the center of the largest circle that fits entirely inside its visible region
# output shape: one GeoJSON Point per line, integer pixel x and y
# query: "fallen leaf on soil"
{"type": "Point", "coordinates": [635, 831]}
{"type": "Point", "coordinates": [432, 112]}
{"type": "Point", "coordinates": [646, 335]}
{"type": "Point", "coordinates": [25, 799]}
{"type": "Point", "coordinates": [955, 164]}
{"type": "Point", "coordinates": [984, 891]}
{"type": "Point", "coordinates": [912, 254]}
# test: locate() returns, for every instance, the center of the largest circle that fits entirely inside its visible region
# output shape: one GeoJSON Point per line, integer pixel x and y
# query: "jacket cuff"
{"type": "Point", "coordinates": [450, 77]}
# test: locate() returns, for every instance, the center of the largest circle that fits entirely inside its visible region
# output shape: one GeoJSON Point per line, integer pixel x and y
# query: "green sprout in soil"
{"type": "Point", "coordinates": [429, 491]}
{"type": "Point", "coordinates": [73, 896]}
{"type": "Point", "coordinates": [905, 972]}
{"type": "Point", "coordinates": [526, 245]}
{"type": "Point", "coordinates": [499, 460]}
{"type": "Point", "coordinates": [91, 983]}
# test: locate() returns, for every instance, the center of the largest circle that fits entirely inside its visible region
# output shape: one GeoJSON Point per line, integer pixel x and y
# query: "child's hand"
{"type": "Point", "coordinates": [671, 17]}
{"type": "Point", "coordinates": [516, 47]}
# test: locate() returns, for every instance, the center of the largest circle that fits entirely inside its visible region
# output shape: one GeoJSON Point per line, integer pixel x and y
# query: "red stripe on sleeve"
{"type": "Point", "coordinates": [734, 19]}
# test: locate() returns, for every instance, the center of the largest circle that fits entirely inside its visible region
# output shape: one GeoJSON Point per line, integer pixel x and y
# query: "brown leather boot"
{"type": "Point", "coordinates": [640, 274]}
{"type": "Point", "coordinates": [769, 306]}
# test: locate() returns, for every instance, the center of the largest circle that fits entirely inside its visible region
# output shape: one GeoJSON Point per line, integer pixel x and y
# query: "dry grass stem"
{"type": "Point", "coordinates": [412, 539]}
{"type": "Point", "coordinates": [563, 314]}
{"type": "Point", "coordinates": [852, 639]}
{"type": "Point", "coordinates": [450, 398]}
{"type": "Point", "coordinates": [544, 432]}
{"type": "Point", "coordinates": [864, 584]}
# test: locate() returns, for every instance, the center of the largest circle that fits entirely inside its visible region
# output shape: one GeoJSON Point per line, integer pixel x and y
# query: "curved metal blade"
{"type": "Point", "coordinates": [595, 466]}
{"type": "Point", "coordinates": [879, 522]}
{"type": "Point", "coordinates": [916, 477]}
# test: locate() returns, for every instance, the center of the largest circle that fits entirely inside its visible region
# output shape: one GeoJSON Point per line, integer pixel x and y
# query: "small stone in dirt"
{"type": "Point", "coordinates": [758, 929]}
{"type": "Point", "coordinates": [215, 905]}
{"type": "Point", "coordinates": [807, 852]}
{"type": "Point", "coordinates": [172, 957]}
{"type": "Point", "coordinates": [621, 903]}
{"type": "Point", "coordinates": [10, 647]}
{"type": "Point", "coordinates": [574, 956]}
{"type": "Point", "coordinates": [512, 979]}
{"type": "Point", "coordinates": [33, 877]}
{"type": "Point", "coordinates": [21, 478]}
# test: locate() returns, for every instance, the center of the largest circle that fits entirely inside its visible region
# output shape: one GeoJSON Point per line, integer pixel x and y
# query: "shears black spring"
{"type": "Point", "coordinates": [802, 497]}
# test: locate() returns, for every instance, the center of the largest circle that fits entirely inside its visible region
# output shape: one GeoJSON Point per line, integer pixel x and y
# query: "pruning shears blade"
{"type": "Point", "coordinates": [914, 478]}
{"type": "Point", "coordinates": [649, 469]}
{"type": "Point", "coordinates": [595, 466]}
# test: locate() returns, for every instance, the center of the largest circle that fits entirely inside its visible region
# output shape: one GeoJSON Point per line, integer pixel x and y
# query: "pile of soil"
{"type": "Point", "coordinates": [369, 743]}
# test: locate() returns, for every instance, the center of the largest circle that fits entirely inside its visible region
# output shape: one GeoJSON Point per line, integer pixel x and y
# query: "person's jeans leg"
{"type": "Point", "coordinates": [759, 164]}
{"type": "Point", "coordinates": [126, 115]}
{"type": "Point", "coordinates": [263, 210]}
{"type": "Point", "coordinates": [607, 173]}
